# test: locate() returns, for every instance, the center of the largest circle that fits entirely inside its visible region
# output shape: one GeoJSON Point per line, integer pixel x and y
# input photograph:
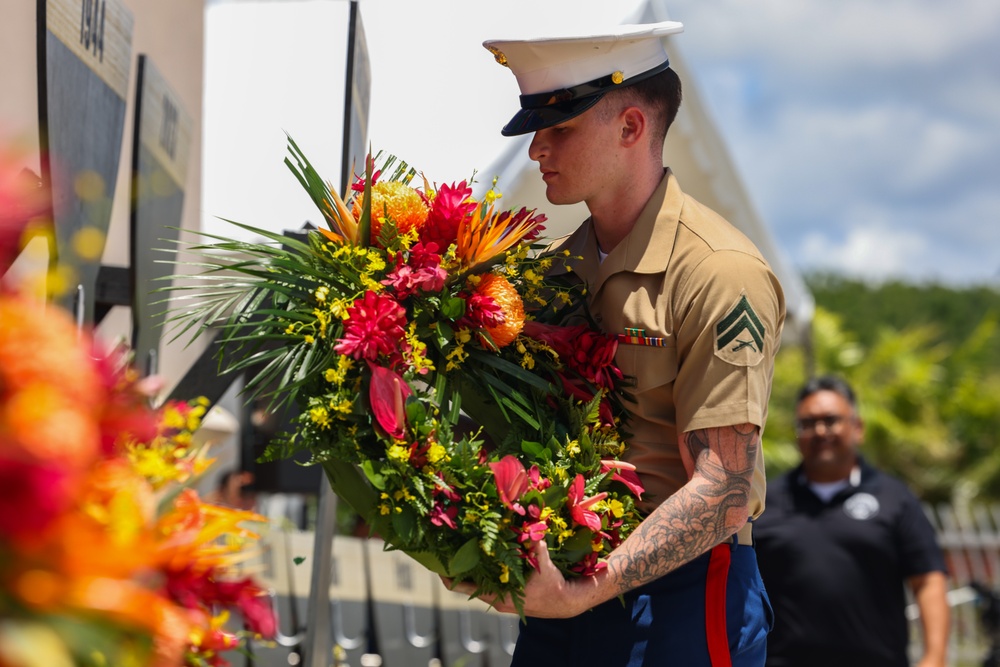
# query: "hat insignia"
{"type": "Point", "coordinates": [618, 76]}
{"type": "Point", "coordinates": [498, 55]}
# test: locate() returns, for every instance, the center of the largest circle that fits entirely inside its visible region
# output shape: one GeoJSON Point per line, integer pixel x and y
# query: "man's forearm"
{"type": "Point", "coordinates": [930, 592]}
{"type": "Point", "coordinates": [709, 508]}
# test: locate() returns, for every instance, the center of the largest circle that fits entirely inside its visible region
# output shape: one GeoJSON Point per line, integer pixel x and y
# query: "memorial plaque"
{"type": "Point", "coordinates": [160, 158]}
{"type": "Point", "coordinates": [84, 59]}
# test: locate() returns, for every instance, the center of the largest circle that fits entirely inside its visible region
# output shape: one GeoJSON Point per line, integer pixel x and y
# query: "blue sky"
{"type": "Point", "coordinates": [868, 133]}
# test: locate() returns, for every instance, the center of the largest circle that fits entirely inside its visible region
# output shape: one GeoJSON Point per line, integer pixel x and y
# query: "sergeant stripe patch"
{"type": "Point", "coordinates": [740, 320]}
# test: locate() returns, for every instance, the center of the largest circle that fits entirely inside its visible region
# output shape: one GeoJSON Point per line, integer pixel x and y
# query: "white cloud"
{"type": "Point", "coordinates": [874, 252]}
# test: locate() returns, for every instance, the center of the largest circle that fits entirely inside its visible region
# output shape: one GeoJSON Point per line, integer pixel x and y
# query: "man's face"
{"type": "Point", "coordinates": [574, 156]}
{"type": "Point", "coordinates": [829, 432]}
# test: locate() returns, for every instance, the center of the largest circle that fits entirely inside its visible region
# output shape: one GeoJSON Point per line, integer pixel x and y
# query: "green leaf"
{"type": "Point", "coordinates": [536, 450]}
{"type": "Point", "coordinates": [431, 561]}
{"type": "Point", "coordinates": [377, 479]}
{"type": "Point", "coordinates": [466, 558]}
{"type": "Point", "coordinates": [348, 483]}
{"type": "Point", "coordinates": [453, 307]}
{"type": "Point", "coordinates": [404, 523]}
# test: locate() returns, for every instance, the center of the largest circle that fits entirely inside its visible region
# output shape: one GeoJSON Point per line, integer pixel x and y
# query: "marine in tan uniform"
{"type": "Point", "coordinates": [699, 314]}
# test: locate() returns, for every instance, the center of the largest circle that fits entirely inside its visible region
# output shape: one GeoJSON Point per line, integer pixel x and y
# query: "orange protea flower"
{"type": "Point", "coordinates": [503, 294]}
{"type": "Point", "coordinates": [395, 200]}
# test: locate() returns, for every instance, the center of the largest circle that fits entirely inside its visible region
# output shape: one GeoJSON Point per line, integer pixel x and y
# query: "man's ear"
{"type": "Point", "coordinates": [633, 126]}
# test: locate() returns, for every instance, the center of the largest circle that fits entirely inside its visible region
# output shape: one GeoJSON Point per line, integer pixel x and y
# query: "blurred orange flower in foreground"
{"type": "Point", "coordinates": [105, 557]}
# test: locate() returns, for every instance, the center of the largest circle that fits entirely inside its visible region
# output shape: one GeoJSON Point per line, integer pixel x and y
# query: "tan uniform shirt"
{"type": "Point", "coordinates": [702, 312]}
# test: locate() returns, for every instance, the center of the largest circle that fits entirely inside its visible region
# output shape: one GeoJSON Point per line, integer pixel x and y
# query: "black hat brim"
{"type": "Point", "coordinates": [539, 118]}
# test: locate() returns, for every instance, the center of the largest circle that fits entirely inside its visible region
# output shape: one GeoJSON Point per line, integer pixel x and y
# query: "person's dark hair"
{"type": "Point", "coordinates": [828, 383]}
{"type": "Point", "coordinates": [660, 93]}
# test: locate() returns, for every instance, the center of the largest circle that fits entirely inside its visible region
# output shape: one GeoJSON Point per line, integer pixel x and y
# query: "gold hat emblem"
{"type": "Point", "coordinates": [498, 55]}
{"type": "Point", "coordinates": [618, 77]}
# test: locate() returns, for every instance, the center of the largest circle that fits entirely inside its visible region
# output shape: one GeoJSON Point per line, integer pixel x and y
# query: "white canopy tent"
{"type": "Point", "coordinates": [697, 155]}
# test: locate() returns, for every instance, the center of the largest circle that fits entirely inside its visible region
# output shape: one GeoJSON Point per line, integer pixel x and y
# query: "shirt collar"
{"type": "Point", "coordinates": [645, 249]}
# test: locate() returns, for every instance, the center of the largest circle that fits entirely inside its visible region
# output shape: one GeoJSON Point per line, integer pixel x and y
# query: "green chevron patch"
{"type": "Point", "coordinates": [739, 335]}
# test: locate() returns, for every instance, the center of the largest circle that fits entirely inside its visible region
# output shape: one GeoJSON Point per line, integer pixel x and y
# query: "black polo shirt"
{"type": "Point", "coordinates": [835, 572]}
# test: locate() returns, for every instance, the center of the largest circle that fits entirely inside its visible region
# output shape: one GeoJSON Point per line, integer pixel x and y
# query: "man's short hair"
{"type": "Point", "coordinates": [660, 95]}
{"type": "Point", "coordinates": [832, 383]}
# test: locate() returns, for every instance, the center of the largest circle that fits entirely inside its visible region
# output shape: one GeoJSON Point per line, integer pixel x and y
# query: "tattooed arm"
{"type": "Point", "coordinates": [709, 508]}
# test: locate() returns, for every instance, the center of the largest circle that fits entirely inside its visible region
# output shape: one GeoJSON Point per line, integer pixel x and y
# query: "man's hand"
{"type": "Point", "coordinates": [547, 594]}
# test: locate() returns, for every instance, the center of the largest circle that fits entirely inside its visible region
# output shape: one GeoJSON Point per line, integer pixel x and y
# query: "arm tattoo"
{"type": "Point", "coordinates": [705, 511]}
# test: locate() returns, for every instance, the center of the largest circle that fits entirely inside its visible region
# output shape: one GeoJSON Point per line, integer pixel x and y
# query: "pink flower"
{"type": "Point", "coordinates": [442, 516]}
{"type": "Point", "coordinates": [422, 272]}
{"type": "Point", "coordinates": [579, 506]}
{"type": "Point", "coordinates": [512, 481]}
{"type": "Point", "coordinates": [626, 474]}
{"type": "Point", "coordinates": [537, 481]}
{"type": "Point", "coordinates": [589, 565]}
{"type": "Point", "coordinates": [22, 199]}
{"type": "Point", "coordinates": [481, 312]}
{"type": "Point", "coordinates": [535, 220]}
{"type": "Point", "coordinates": [451, 205]}
{"type": "Point", "coordinates": [32, 496]}
{"type": "Point", "coordinates": [533, 532]}
{"type": "Point", "coordinates": [388, 394]}
{"type": "Point", "coordinates": [374, 326]}
{"type": "Point", "coordinates": [444, 490]}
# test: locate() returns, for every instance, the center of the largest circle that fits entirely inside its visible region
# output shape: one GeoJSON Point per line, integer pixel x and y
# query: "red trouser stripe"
{"type": "Point", "coordinates": [715, 606]}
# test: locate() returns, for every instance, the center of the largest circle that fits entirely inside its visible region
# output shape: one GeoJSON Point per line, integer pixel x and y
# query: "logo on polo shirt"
{"type": "Point", "coordinates": [739, 335]}
{"type": "Point", "coordinates": [861, 506]}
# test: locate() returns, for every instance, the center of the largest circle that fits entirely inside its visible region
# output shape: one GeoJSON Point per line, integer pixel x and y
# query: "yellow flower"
{"type": "Point", "coordinates": [341, 405]}
{"type": "Point", "coordinates": [527, 361]}
{"type": "Point", "coordinates": [504, 573]}
{"type": "Point", "coordinates": [398, 453]}
{"type": "Point", "coordinates": [320, 416]}
{"type": "Point", "coordinates": [573, 448]}
{"type": "Point", "coordinates": [616, 508]}
{"type": "Point", "coordinates": [436, 452]}
{"type": "Point", "coordinates": [418, 351]}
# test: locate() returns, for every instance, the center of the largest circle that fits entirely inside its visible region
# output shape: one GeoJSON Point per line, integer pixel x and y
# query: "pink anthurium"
{"type": "Point", "coordinates": [512, 481]}
{"type": "Point", "coordinates": [579, 506]}
{"type": "Point", "coordinates": [626, 474]}
{"type": "Point", "coordinates": [388, 395]}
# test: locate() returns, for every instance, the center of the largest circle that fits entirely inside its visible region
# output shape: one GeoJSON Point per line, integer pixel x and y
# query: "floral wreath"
{"type": "Point", "coordinates": [418, 337]}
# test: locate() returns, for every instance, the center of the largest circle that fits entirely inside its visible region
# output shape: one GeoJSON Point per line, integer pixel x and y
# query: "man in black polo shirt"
{"type": "Point", "coordinates": [836, 544]}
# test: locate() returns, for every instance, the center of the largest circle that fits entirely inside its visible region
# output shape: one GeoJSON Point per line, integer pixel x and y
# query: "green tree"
{"type": "Point", "coordinates": [931, 408]}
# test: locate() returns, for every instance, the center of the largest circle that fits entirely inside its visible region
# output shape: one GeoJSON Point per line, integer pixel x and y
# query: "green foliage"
{"type": "Point", "coordinates": [925, 363]}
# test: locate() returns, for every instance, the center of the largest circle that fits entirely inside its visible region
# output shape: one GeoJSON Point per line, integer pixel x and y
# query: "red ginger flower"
{"type": "Point", "coordinates": [374, 326]}
{"type": "Point", "coordinates": [450, 206]}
